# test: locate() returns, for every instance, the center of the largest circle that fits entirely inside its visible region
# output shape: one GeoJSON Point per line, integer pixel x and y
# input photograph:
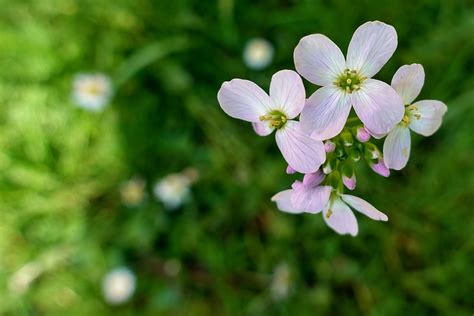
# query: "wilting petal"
{"type": "Point", "coordinates": [396, 148]}
{"type": "Point", "coordinates": [244, 100]}
{"type": "Point", "coordinates": [284, 204]}
{"type": "Point", "coordinates": [408, 81]}
{"type": "Point", "coordinates": [371, 46]}
{"type": "Point", "coordinates": [364, 207]}
{"type": "Point", "coordinates": [339, 217]}
{"type": "Point", "coordinates": [312, 200]}
{"type": "Point", "coordinates": [287, 92]}
{"type": "Point", "coordinates": [302, 153]}
{"type": "Point", "coordinates": [318, 59]}
{"type": "Point", "coordinates": [378, 106]}
{"type": "Point", "coordinates": [426, 116]}
{"type": "Point", "coordinates": [313, 179]}
{"type": "Point", "coordinates": [262, 128]}
{"type": "Point", "coordinates": [326, 112]}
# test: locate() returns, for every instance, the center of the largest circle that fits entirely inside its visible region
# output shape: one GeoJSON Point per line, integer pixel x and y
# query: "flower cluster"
{"type": "Point", "coordinates": [329, 138]}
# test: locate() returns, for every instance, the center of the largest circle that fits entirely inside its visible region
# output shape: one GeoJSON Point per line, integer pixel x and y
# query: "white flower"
{"type": "Point", "coordinates": [92, 91]}
{"type": "Point", "coordinates": [422, 117]}
{"type": "Point", "coordinates": [258, 53]}
{"type": "Point", "coordinates": [347, 83]}
{"type": "Point", "coordinates": [118, 285]}
{"type": "Point", "coordinates": [173, 190]}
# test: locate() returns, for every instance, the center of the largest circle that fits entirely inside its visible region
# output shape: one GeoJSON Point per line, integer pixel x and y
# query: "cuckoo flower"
{"type": "Point", "coordinates": [309, 197]}
{"type": "Point", "coordinates": [245, 100]}
{"type": "Point", "coordinates": [422, 117]}
{"type": "Point", "coordinates": [347, 82]}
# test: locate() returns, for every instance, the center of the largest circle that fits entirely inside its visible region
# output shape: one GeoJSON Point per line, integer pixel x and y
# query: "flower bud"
{"type": "Point", "coordinates": [354, 155]}
{"type": "Point", "coordinates": [348, 176]}
{"type": "Point", "coordinates": [347, 139]}
{"type": "Point", "coordinates": [329, 146]}
{"type": "Point", "coordinates": [290, 170]}
{"type": "Point", "coordinates": [330, 164]}
{"type": "Point", "coordinates": [362, 134]}
{"type": "Point", "coordinates": [371, 151]}
{"type": "Point", "coordinates": [380, 168]}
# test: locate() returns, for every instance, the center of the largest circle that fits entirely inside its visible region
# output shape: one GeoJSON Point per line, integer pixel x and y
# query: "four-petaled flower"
{"type": "Point", "coordinates": [347, 83]}
{"type": "Point", "coordinates": [245, 100]}
{"type": "Point", "coordinates": [311, 197]}
{"type": "Point", "coordinates": [422, 117]}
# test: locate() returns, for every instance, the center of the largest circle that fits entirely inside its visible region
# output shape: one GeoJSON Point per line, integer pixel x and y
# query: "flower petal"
{"type": "Point", "coordinates": [262, 128]}
{"type": "Point", "coordinates": [378, 106]}
{"type": "Point", "coordinates": [408, 81]}
{"type": "Point", "coordinates": [244, 100]}
{"type": "Point", "coordinates": [302, 153]}
{"type": "Point", "coordinates": [396, 148]}
{"type": "Point", "coordinates": [340, 217]}
{"type": "Point", "coordinates": [326, 112]}
{"type": "Point", "coordinates": [284, 204]}
{"type": "Point", "coordinates": [371, 46]}
{"type": "Point", "coordinates": [318, 59]}
{"type": "Point", "coordinates": [313, 199]}
{"type": "Point", "coordinates": [426, 116]}
{"type": "Point", "coordinates": [364, 207]}
{"type": "Point", "coordinates": [380, 168]}
{"type": "Point", "coordinates": [313, 179]}
{"type": "Point", "coordinates": [288, 93]}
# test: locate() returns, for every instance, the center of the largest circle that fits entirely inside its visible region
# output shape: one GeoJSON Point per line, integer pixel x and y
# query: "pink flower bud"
{"type": "Point", "coordinates": [329, 146]}
{"type": "Point", "coordinates": [290, 170]}
{"type": "Point", "coordinates": [380, 168]}
{"type": "Point", "coordinates": [362, 135]}
{"type": "Point", "coordinates": [349, 183]}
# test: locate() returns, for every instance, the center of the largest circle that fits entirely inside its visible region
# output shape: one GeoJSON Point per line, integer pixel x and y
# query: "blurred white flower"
{"type": "Point", "coordinates": [174, 189]}
{"type": "Point", "coordinates": [133, 192]}
{"type": "Point", "coordinates": [280, 284]}
{"type": "Point", "coordinates": [92, 91]}
{"type": "Point", "coordinates": [118, 285]}
{"type": "Point", "coordinates": [258, 53]}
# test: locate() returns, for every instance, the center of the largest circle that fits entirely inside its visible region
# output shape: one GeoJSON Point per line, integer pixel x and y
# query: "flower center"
{"type": "Point", "coordinates": [275, 119]}
{"type": "Point", "coordinates": [349, 80]}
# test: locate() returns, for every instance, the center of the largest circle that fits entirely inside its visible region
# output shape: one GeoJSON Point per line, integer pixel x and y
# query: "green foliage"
{"type": "Point", "coordinates": [61, 168]}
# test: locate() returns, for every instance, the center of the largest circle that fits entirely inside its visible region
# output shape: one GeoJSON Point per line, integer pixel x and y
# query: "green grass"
{"type": "Point", "coordinates": [61, 167]}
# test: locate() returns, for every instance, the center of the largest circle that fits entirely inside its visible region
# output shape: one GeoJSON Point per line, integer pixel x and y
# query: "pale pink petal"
{"type": "Point", "coordinates": [301, 152]}
{"type": "Point", "coordinates": [426, 116]}
{"type": "Point", "coordinates": [288, 93]}
{"type": "Point", "coordinates": [326, 112]}
{"type": "Point", "coordinates": [313, 179]}
{"type": "Point", "coordinates": [318, 59]}
{"type": "Point", "coordinates": [340, 217]}
{"type": "Point", "coordinates": [244, 100]}
{"type": "Point", "coordinates": [371, 46]}
{"type": "Point", "coordinates": [375, 135]}
{"type": "Point", "coordinates": [262, 128]}
{"type": "Point", "coordinates": [284, 204]}
{"type": "Point", "coordinates": [364, 207]}
{"type": "Point", "coordinates": [396, 148]}
{"type": "Point", "coordinates": [313, 199]}
{"type": "Point", "coordinates": [408, 81]}
{"type": "Point", "coordinates": [378, 106]}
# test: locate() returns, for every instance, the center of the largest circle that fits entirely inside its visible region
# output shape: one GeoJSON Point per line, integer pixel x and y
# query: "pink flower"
{"type": "Point", "coordinates": [336, 208]}
{"type": "Point", "coordinates": [245, 100]}
{"type": "Point", "coordinates": [422, 117]}
{"type": "Point", "coordinates": [347, 82]}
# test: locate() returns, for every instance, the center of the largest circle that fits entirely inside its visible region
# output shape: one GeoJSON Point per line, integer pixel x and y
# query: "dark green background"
{"type": "Point", "coordinates": [61, 167]}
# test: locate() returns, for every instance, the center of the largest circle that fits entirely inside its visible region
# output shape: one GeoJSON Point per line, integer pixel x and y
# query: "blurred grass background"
{"type": "Point", "coordinates": [61, 167]}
